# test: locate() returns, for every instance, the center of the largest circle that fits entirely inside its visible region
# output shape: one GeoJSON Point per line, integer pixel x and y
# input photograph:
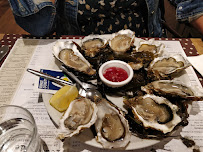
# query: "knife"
{"type": "Point", "coordinates": [3, 51]}
{"type": "Point", "coordinates": [49, 77]}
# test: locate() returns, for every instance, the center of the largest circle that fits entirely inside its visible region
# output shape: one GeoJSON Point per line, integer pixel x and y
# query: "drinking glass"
{"type": "Point", "coordinates": [18, 131]}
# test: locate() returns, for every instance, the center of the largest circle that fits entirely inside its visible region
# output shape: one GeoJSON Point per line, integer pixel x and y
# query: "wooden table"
{"type": "Point", "coordinates": [198, 43]}
{"type": "Point", "coordinates": [1, 36]}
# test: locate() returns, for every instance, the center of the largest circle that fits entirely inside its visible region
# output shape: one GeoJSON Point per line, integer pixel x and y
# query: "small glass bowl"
{"type": "Point", "coordinates": [115, 63]}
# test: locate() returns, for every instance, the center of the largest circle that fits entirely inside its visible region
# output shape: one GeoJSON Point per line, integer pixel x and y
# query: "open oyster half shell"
{"type": "Point", "coordinates": [171, 88]}
{"type": "Point", "coordinates": [154, 112]}
{"type": "Point", "coordinates": [122, 41]}
{"type": "Point", "coordinates": [153, 46]}
{"type": "Point", "coordinates": [81, 114]}
{"type": "Point", "coordinates": [164, 67]}
{"type": "Point", "coordinates": [92, 44]}
{"type": "Point", "coordinates": [67, 53]}
{"type": "Point", "coordinates": [111, 126]}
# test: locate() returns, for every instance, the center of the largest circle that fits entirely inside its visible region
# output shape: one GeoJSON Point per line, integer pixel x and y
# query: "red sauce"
{"type": "Point", "coordinates": [115, 74]}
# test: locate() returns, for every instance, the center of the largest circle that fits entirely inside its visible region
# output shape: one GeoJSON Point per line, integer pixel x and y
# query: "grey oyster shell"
{"type": "Point", "coordinates": [172, 88]}
{"type": "Point", "coordinates": [93, 44]}
{"type": "Point", "coordinates": [67, 53]}
{"type": "Point", "coordinates": [81, 114]}
{"type": "Point", "coordinates": [164, 67]}
{"type": "Point", "coordinates": [111, 126]}
{"type": "Point", "coordinates": [121, 41]}
{"type": "Point", "coordinates": [153, 46]}
{"type": "Point", "coordinates": [154, 112]}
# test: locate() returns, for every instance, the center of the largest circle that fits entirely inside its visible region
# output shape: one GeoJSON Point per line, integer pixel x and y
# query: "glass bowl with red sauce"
{"type": "Point", "coordinates": [115, 73]}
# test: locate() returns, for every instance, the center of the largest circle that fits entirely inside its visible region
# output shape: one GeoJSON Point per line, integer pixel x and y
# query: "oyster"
{"type": "Point", "coordinates": [81, 114]}
{"type": "Point", "coordinates": [121, 41]}
{"type": "Point", "coordinates": [136, 66]}
{"type": "Point", "coordinates": [154, 112]}
{"type": "Point", "coordinates": [92, 45]}
{"type": "Point", "coordinates": [111, 126]}
{"type": "Point", "coordinates": [147, 48]}
{"type": "Point", "coordinates": [135, 59]}
{"type": "Point", "coordinates": [173, 89]}
{"type": "Point", "coordinates": [165, 67]}
{"type": "Point", "coordinates": [151, 45]}
{"type": "Point", "coordinates": [67, 53]}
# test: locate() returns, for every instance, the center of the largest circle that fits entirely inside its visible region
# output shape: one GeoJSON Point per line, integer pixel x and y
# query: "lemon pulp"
{"type": "Point", "coordinates": [62, 98]}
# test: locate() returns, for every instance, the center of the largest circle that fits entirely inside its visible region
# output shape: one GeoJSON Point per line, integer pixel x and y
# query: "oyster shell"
{"type": "Point", "coordinates": [81, 114]}
{"type": "Point", "coordinates": [136, 59]}
{"type": "Point", "coordinates": [92, 45]}
{"type": "Point", "coordinates": [111, 126]}
{"type": "Point", "coordinates": [155, 47]}
{"type": "Point", "coordinates": [136, 66]}
{"type": "Point", "coordinates": [165, 67]}
{"type": "Point", "coordinates": [121, 41]}
{"type": "Point", "coordinates": [173, 89]}
{"type": "Point", "coordinates": [147, 47]}
{"type": "Point", "coordinates": [67, 53]}
{"type": "Point", "coordinates": [154, 112]}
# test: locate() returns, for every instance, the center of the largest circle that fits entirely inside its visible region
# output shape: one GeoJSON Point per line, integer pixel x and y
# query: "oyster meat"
{"type": "Point", "coordinates": [171, 88]}
{"type": "Point", "coordinates": [147, 48]}
{"type": "Point", "coordinates": [81, 114]}
{"type": "Point", "coordinates": [67, 53]}
{"type": "Point", "coordinates": [165, 67]}
{"type": "Point", "coordinates": [93, 44]}
{"type": "Point", "coordinates": [121, 41]}
{"type": "Point", "coordinates": [135, 66]}
{"type": "Point", "coordinates": [111, 126]}
{"type": "Point", "coordinates": [151, 45]}
{"type": "Point", "coordinates": [154, 112]}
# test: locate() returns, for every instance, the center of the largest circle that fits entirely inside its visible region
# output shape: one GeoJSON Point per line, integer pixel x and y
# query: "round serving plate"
{"type": "Point", "coordinates": [87, 136]}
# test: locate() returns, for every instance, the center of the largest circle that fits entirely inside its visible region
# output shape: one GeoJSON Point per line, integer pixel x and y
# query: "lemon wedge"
{"type": "Point", "coordinates": [62, 98]}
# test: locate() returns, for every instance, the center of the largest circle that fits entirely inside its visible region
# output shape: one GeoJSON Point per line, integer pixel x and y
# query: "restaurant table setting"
{"type": "Point", "coordinates": [21, 85]}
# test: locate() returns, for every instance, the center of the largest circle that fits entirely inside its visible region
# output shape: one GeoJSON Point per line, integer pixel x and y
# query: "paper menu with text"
{"type": "Point", "coordinates": [37, 54]}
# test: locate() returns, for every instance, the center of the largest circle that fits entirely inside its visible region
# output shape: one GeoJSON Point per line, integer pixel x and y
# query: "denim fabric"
{"type": "Point", "coordinates": [154, 18]}
{"type": "Point", "coordinates": [68, 17]}
{"type": "Point", "coordinates": [35, 18]}
{"type": "Point", "coordinates": [39, 17]}
{"type": "Point", "coordinates": [188, 10]}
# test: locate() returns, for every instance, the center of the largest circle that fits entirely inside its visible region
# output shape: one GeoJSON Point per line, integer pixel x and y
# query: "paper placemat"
{"type": "Point", "coordinates": [40, 49]}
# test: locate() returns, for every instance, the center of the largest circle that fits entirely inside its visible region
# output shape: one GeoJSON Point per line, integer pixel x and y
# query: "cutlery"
{"type": "Point", "coordinates": [91, 93]}
{"type": "Point", "coordinates": [3, 51]}
{"type": "Point", "coordinates": [83, 84]}
{"type": "Point", "coordinates": [49, 77]}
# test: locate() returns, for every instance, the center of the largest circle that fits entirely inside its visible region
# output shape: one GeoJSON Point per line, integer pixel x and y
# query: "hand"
{"type": "Point", "coordinates": [198, 24]}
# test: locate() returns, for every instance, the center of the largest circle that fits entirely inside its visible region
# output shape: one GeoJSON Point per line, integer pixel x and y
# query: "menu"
{"type": "Point", "coordinates": [17, 86]}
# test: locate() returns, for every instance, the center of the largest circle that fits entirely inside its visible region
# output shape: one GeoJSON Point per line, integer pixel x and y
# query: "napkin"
{"type": "Point", "coordinates": [197, 63]}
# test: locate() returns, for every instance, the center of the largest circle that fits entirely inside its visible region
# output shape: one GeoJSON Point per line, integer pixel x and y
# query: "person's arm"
{"type": "Point", "coordinates": [198, 24]}
{"type": "Point", "coordinates": [190, 12]}
{"type": "Point", "coordinates": [35, 17]}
